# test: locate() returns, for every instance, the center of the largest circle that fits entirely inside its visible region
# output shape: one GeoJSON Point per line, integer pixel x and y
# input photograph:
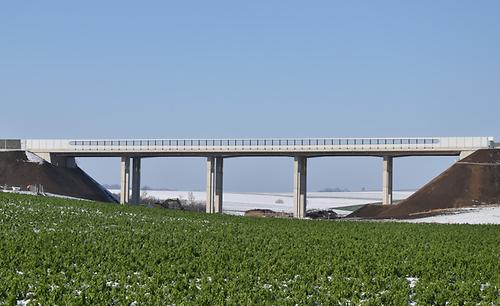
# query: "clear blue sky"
{"type": "Point", "coordinates": [159, 69]}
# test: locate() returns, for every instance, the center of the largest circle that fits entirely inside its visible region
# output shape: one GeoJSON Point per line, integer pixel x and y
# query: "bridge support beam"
{"type": "Point", "coordinates": [57, 160]}
{"type": "Point", "coordinates": [214, 184]}
{"type": "Point", "coordinates": [299, 186]}
{"type": "Point", "coordinates": [136, 180]}
{"type": "Point", "coordinates": [125, 180]}
{"type": "Point", "coordinates": [387, 181]}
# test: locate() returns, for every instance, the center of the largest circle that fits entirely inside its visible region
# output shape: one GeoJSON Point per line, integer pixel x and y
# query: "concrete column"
{"type": "Point", "coordinates": [218, 184]}
{"type": "Point", "coordinates": [299, 186]}
{"type": "Point", "coordinates": [210, 184]}
{"type": "Point", "coordinates": [387, 181]}
{"type": "Point", "coordinates": [125, 180]}
{"type": "Point", "coordinates": [136, 180]}
{"type": "Point", "coordinates": [214, 184]}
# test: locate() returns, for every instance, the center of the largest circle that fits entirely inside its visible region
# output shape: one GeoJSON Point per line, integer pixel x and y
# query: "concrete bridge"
{"type": "Point", "coordinates": [62, 152]}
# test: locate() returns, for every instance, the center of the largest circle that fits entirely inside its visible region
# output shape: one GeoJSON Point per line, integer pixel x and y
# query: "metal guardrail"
{"type": "Point", "coordinates": [255, 142]}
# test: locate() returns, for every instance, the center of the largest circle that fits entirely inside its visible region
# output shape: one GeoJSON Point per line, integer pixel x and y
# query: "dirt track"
{"type": "Point", "coordinates": [16, 170]}
{"type": "Point", "coordinates": [472, 181]}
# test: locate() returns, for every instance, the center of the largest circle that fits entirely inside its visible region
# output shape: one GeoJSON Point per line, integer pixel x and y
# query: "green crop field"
{"type": "Point", "coordinates": [66, 252]}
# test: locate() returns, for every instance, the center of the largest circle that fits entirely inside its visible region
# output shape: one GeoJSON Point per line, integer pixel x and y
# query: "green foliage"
{"type": "Point", "coordinates": [66, 252]}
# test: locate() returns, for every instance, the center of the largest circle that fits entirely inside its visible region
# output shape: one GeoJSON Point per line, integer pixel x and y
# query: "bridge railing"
{"type": "Point", "coordinates": [262, 144]}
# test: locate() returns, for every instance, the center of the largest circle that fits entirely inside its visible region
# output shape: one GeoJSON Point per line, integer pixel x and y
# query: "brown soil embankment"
{"type": "Point", "coordinates": [472, 181]}
{"type": "Point", "coordinates": [17, 170]}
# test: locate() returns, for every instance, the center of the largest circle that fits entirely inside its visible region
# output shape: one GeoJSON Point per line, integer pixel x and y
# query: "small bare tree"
{"type": "Point", "coordinates": [190, 198]}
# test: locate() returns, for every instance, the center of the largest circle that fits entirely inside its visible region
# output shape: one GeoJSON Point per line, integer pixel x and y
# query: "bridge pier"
{"type": "Point", "coordinates": [214, 184]}
{"type": "Point", "coordinates": [299, 186]}
{"type": "Point", "coordinates": [136, 180]}
{"type": "Point", "coordinates": [125, 180]}
{"type": "Point", "coordinates": [387, 181]}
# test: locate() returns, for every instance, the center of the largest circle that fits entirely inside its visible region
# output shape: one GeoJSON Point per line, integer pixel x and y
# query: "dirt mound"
{"type": "Point", "coordinates": [266, 213]}
{"type": "Point", "coordinates": [313, 214]}
{"type": "Point", "coordinates": [328, 214]}
{"type": "Point", "coordinates": [23, 169]}
{"type": "Point", "coordinates": [472, 181]}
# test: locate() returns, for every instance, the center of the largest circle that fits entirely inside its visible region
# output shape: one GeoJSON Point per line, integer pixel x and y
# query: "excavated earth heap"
{"type": "Point", "coordinates": [20, 169]}
{"type": "Point", "coordinates": [472, 181]}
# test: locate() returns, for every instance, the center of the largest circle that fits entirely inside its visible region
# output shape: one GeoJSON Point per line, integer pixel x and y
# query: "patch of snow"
{"type": "Point", "coordinates": [484, 286]}
{"type": "Point", "coordinates": [469, 215]}
{"type": "Point", "coordinates": [17, 191]}
{"type": "Point", "coordinates": [55, 195]}
{"type": "Point", "coordinates": [22, 302]}
{"type": "Point", "coordinates": [48, 194]}
{"type": "Point", "coordinates": [53, 287]}
{"type": "Point", "coordinates": [112, 284]}
{"type": "Point", "coordinates": [412, 281]}
{"type": "Point", "coordinates": [33, 158]}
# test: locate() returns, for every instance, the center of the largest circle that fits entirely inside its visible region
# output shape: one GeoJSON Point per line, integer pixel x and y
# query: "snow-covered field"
{"type": "Point", "coordinates": [238, 203]}
{"type": "Point", "coordinates": [476, 215]}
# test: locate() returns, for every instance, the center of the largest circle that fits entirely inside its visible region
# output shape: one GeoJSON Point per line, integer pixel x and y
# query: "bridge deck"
{"type": "Point", "coordinates": [264, 146]}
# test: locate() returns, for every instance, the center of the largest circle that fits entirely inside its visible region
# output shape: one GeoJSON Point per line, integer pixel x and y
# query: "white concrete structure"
{"type": "Point", "coordinates": [387, 181]}
{"type": "Point", "coordinates": [125, 180]}
{"type": "Point", "coordinates": [299, 186]}
{"type": "Point", "coordinates": [63, 152]}
{"type": "Point", "coordinates": [265, 146]}
{"type": "Point", "coordinates": [136, 180]}
{"type": "Point", "coordinates": [214, 184]}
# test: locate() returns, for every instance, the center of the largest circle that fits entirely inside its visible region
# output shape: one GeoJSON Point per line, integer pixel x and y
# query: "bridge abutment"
{"type": "Point", "coordinates": [299, 186]}
{"type": "Point", "coordinates": [214, 184]}
{"type": "Point", "coordinates": [387, 180]}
